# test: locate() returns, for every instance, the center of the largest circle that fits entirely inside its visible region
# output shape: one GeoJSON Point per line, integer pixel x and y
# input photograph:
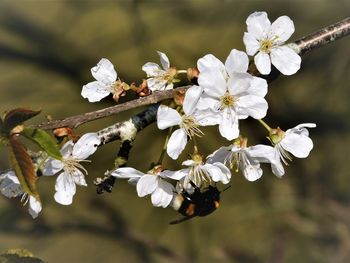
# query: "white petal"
{"type": "Point", "coordinates": [277, 169]}
{"type": "Point", "coordinates": [175, 175]}
{"type": "Point", "coordinates": [52, 166]}
{"type": "Point", "coordinates": [213, 83]}
{"type": "Point", "coordinates": [65, 189]}
{"type": "Point", "coordinates": [258, 87]}
{"type": "Point", "coordinates": [104, 71]}
{"type": "Point", "coordinates": [191, 99]}
{"type": "Point", "coordinates": [301, 129]}
{"type": "Point", "coordinates": [167, 117]}
{"type": "Point", "coordinates": [239, 83]}
{"type": "Point", "coordinates": [237, 61]}
{"type": "Point", "coordinates": [10, 185]}
{"type": "Point", "coordinates": [86, 146]}
{"type": "Point", "coordinates": [252, 172]}
{"type": "Point", "coordinates": [212, 75]}
{"type": "Point", "coordinates": [67, 149]}
{"type": "Point", "coordinates": [298, 145]}
{"type": "Point", "coordinates": [34, 207]}
{"type": "Point", "coordinates": [283, 28]}
{"type": "Point", "coordinates": [152, 69]}
{"type": "Point", "coordinates": [228, 126]}
{"type": "Point", "coordinates": [147, 184]}
{"type": "Point", "coordinates": [267, 154]}
{"type": "Point", "coordinates": [251, 44]}
{"type": "Point", "coordinates": [164, 60]}
{"type": "Point", "coordinates": [177, 143]}
{"type": "Point", "coordinates": [258, 24]}
{"type": "Point", "coordinates": [210, 62]}
{"type": "Point", "coordinates": [218, 172]}
{"type": "Point", "coordinates": [127, 172]}
{"type": "Point", "coordinates": [263, 153]}
{"type": "Point", "coordinates": [95, 91]}
{"type": "Point", "coordinates": [207, 103]}
{"type": "Point", "coordinates": [158, 84]}
{"type": "Point", "coordinates": [220, 155]}
{"type": "Point", "coordinates": [206, 117]}
{"type": "Point", "coordinates": [189, 163]}
{"type": "Point", "coordinates": [285, 59]}
{"type": "Point", "coordinates": [253, 106]}
{"type": "Point", "coordinates": [79, 178]}
{"type": "Point", "coordinates": [163, 195]}
{"type": "Point", "coordinates": [263, 63]}
{"type": "Point", "coordinates": [64, 198]}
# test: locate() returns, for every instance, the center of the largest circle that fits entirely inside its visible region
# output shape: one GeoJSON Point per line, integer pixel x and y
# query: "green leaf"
{"type": "Point", "coordinates": [23, 166]}
{"type": "Point", "coordinates": [44, 140]}
{"type": "Point", "coordinates": [18, 116]}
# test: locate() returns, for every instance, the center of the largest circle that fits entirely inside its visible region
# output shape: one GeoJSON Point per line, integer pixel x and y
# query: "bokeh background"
{"type": "Point", "coordinates": [46, 51]}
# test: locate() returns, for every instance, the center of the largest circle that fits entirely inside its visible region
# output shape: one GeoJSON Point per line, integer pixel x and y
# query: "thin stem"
{"type": "Point", "coordinates": [162, 154]}
{"type": "Point", "coordinates": [267, 127]}
{"type": "Point", "coordinates": [195, 145]}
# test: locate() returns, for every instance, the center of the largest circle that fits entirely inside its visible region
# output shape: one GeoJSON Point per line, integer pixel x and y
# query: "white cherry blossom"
{"type": "Point", "coordinates": [72, 170]}
{"type": "Point", "coordinates": [295, 141]}
{"type": "Point", "coordinates": [11, 187]}
{"type": "Point", "coordinates": [189, 122]}
{"type": "Point", "coordinates": [160, 78]}
{"type": "Point", "coordinates": [106, 81]}
{"type": "Point", "coordinates": [151, 183]}
{"type": "Point", "coordinates": [267, 41]}
{"type": "Point", "coordinates": [201, 174]}
{"type": "Point", "coordinates": [238, 155]}
{"type": "Point", "coordinates": [230, 92]}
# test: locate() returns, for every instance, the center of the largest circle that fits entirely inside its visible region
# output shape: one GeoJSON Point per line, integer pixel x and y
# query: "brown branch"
{"type": "Point", "coordinates": [75, 121]}
{"type": "Point", "coordinates": [304, 45]}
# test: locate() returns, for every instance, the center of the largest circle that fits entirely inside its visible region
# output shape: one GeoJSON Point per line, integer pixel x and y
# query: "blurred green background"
{"type": "Point", "coordinates": [46, 51]}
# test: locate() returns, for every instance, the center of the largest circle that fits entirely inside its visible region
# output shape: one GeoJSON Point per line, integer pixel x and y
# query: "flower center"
{"type": "Point", "coordinates": [227, 101]}
{"type": "Point", "coordinates": [191, 126]}
{"type": "Point", "coordinates": [266, 45]}
{"type": "Point", "coordinates": [198, 176]}
{"type": "Point", "coordinates": [72, 164]}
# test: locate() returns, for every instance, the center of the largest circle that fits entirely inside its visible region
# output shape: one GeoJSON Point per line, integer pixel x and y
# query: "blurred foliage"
{"type": "Point", "coordinates": [18, 256]}
{"type": "Point", "coordinates": [46, 51]}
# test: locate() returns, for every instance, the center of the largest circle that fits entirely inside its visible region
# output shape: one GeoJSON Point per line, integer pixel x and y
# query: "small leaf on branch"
{"type": "Point", "coordinates": [44, 140]}
{"type": "Point", "coordinates": [18, 116]}
{"type": "Point", "coordinates": [23, 166]}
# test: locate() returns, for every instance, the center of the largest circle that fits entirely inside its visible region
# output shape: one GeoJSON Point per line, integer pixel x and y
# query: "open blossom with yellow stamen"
{"type": "Point", "coordinates": [72, 171]}
{"type": "Point", "coordinates": [202, 174]}
{"type": "Point", "coordinates": [106, 83]}
{"type": "Point", "coordinates": [151, 183]}
{"type": "Point", "coordinates": [242, 158]}
{"type": "Point", "coordinates": [189, 122]}
{"type": "Point", "coordinates": [230, 93]}
{"type": "Point", "coordinates": [160, 78]}
{"type": "Point", "coordinates": [267, 41]}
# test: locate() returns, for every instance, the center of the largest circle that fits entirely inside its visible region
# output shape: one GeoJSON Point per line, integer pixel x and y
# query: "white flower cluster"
{"type": "Point", "coordinates": [225, 95]}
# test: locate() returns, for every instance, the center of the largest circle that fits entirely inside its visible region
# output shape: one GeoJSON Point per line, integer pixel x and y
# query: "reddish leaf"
{"type": "Point", "coordinates": [23, 166]}
{"type": "Point", "coordinates": [18, 116]}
